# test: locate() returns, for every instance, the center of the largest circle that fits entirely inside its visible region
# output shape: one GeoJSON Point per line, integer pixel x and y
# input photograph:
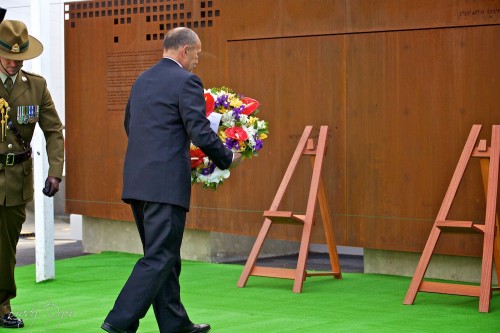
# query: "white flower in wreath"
{"type": "Point", "coordinates": [261, 124]}
{"type": "Point", "coordinates": [215, 177]}
{"type": "Point", "coordinates": [251, 131]}
{"type": "Point", "coordinates": [244, 119]}
{"type": "Point", "coordinates": [228, 119]}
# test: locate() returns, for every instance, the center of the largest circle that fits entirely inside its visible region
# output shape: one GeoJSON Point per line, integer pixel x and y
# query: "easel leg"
{"type": "Point", "coordinates": [485, 166]}
{"type": "Point", "coordinates": [329, 234]}
{"type": "Point", "coordinates": [303, 252]}
{"type": "Point", "coordinates": [485, 289]}
{"type": "Point", "coordinates": [254, 253]}
{"type": "Point", "coordinates": [422, 266]}
{"type": "Point", "coordinates": [496, 252]}
{"type": "Point", "coordinates": [490, 221]}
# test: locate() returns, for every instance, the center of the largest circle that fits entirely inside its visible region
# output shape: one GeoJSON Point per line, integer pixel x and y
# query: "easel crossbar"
{"type": "Point", "coordinates": [280, 273]}
{"type": "Point", "coordinates": [449, 288]}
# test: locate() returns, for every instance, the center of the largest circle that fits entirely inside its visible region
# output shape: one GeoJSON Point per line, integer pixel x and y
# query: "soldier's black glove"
{"type": "Point", "coordinates": [51, 186]}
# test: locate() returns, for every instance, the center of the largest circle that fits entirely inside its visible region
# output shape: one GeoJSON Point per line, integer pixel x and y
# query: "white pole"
{"type": "Point", "coordinates": [44, 206]}
{"type": "Point", "coordinates": [44, 213]}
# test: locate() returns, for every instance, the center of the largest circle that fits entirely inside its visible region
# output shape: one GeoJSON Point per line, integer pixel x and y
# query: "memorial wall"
{"type": "Point", "coordinates": [399, 83]}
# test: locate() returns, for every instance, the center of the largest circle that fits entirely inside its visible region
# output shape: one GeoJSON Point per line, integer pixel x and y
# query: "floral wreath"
{"type": "Point", "coordinates": [233, 118]}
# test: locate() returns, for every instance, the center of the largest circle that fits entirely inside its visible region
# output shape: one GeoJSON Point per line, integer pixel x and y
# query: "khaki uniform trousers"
{"type": "Point", "coordinates": [11, 221]}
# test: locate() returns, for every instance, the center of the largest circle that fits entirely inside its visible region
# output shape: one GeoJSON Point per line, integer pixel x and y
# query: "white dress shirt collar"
{"type": "Point", "coordinates": [173, 60]}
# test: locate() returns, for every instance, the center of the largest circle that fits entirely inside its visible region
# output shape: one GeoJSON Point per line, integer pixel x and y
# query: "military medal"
{"type": "Point", "coordinates": [31, 114]}
{"type": "Point", "coordinates": [20, 114]}
{"type": "Point", "coordinates": [28, 114]}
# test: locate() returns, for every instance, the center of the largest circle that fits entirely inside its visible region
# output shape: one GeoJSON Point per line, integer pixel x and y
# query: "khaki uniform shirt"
{"type": "Point", "coordinates": [16, 181]}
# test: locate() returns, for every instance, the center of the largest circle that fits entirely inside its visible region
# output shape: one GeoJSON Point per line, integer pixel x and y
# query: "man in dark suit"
{"type": "Point", "coordinates": [165, 111]}
{"type": "Point", "coordinates": [24, 102]}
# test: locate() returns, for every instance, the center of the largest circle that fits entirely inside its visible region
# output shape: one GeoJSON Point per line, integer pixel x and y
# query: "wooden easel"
{"type": "Point", "coordinates": [273, 215]}
{"type": "Point", "coordinates": [491, 244]}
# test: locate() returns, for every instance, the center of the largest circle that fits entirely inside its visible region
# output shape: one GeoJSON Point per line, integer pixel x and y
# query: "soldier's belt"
{"type": "Point", "coordinates": [15, 158]}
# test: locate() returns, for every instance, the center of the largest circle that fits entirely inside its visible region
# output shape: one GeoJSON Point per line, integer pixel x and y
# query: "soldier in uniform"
{"type": "Point", "coordinates": [24, 102]}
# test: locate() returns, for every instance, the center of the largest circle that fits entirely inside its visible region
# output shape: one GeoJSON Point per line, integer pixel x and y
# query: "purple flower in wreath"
{"type": "Point", "coordinates": [222, 100]}
{"type": "Point", "coordinates": [232, 144]}
{"type": "Point", "coordinates": [238, 111]}
{"type": "Point", "coordinates": [258, 144]}
{"type": "Point", "coordinates": [208, 169]}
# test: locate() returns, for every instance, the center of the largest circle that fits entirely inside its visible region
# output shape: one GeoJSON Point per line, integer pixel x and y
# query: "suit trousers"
{"type": "Point", "coordinates": [155, 277]}
{"type": "Point", "coordinates": [11, 222]}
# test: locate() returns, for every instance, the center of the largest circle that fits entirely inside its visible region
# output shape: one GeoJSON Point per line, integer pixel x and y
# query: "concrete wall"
{"type": "Point", "coordinates": [197, 245]}
{"type": "Point", "coordinates": [454, 268]}
{"type": "Point", "coordinates": [219, 247]}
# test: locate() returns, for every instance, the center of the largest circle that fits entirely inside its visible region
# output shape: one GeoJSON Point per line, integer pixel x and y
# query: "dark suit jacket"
{"type": "Point", "coordinates": [165, 111]}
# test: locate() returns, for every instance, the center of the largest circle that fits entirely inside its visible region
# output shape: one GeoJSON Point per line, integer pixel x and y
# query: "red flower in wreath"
{"type": "Point", "coordinates": [196, 157]}
{"type": "Point", "coordinates": [209, 103]}
{"type": "Point", "coordinates": [250, 105]}
{"type": "Point", "coordinates": [236, 133]}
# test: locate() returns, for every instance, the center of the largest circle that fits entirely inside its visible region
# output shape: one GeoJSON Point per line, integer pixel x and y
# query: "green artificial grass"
{"type": "Point", "coordinates": [85, 288]}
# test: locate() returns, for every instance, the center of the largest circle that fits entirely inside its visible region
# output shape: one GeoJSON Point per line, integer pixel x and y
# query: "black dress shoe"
{"type": "Point", "coordinates": [10, 321]}
{"type": "Point", "coordinates": [195, 328]}
{"type": "Point", "coordinates": [111, 329]}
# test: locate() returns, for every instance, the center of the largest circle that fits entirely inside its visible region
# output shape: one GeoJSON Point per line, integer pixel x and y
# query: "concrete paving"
{"type": "Point", "coordinates": [64, 246]}
{"type": "Point", "coordinates": [315, 262]}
